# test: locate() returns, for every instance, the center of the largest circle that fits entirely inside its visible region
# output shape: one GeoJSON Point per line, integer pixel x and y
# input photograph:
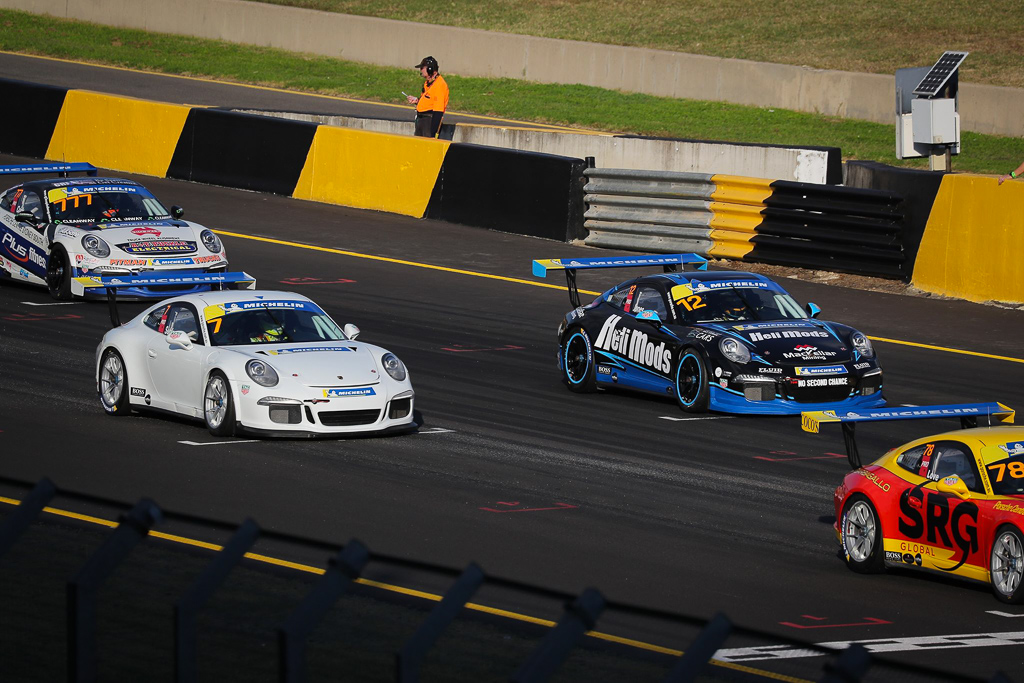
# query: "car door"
{"type": "Point", "coordinates": [639, 345]}
{"type": "Point", "coordinates": [175, 365]}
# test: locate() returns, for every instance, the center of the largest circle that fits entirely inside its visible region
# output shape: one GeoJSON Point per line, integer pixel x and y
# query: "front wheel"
{"type": "Point", "coordinates": [578, 361]}
{"type": "Point", "coordinates": [691, 386]}
{"type": "Point", "coordinates": [58, 274]}
{"type": "Point", "coordinates": [1006, 565]}
{"type": "Point", "coordinates": [218, 410]}
{"type": "Point", "coordinates": [113, 384]}
{"type": "Point", "coordinates": [861, 535]}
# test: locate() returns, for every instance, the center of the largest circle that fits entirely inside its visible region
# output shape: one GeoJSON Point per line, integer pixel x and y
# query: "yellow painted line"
{"type": "Point", "coordinates": [410, 592]}
{"type": "Point", "coordinates": [963, 352]}
{"type": "Point", "coordinates": [337, 98]}
{"type": "Point", "coordinates": [521, 281]}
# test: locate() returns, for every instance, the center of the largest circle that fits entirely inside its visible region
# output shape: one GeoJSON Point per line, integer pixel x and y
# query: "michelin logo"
{"type": "Point", "coordinates": [822, 370]}
{"type": "Point", "coordinates": [341, 393]}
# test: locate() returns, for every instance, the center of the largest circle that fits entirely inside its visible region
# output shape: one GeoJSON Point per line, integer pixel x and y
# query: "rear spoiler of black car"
{"type": "Point", "coordinates": [967, 412]}
{"type": "Point", "coordinates": [46, 169]}
{"type": "Point", "coordinates": [111, 283]}
{"type": "Point", "coordinates": [670, 262]}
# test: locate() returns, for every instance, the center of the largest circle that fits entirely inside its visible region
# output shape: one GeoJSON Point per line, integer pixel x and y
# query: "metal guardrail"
{"type": "Point", "coordinates": [752, 219]}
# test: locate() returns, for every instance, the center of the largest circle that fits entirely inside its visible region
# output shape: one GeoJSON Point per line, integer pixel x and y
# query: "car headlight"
{"type": "Point", "coordinates": [95, 246]}
{"type": "Point", "coordinates": [261, 373]}
{"type": "Point", "coordinates": [734, 350]}
{"type": "Point", "coordinates": [211, 241]}
{"type": "Point", "coordinates": [393, 366]}
{"type": "Point", "coordinates": [862, 344]}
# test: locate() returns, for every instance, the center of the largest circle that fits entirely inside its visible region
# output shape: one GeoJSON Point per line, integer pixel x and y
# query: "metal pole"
{"type": "Point", "coordinates": [20, 520]}
{"type": "Point", "coordinates": [187, 608]}
{"type": "Point", "coordinates": [291, 636]}
{"type": "Point", "coordinates": [81, 590]}
{"type": "Point", "coordinates": [701, 650]}
{"type": "Point", "coordinates": [580, 616]}
{"type": "Point", "coordinates": [415, 649]}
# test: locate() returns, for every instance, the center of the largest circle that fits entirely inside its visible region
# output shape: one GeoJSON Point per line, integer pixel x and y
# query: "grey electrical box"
{"type": "Point", "coordinates": [935, 122]}
{"type": "Point", "coordinates": [927, 110]}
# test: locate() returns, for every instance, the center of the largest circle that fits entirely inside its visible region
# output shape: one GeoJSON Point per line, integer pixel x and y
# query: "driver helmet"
{"type": "Point", "coordinates": [267, 331]}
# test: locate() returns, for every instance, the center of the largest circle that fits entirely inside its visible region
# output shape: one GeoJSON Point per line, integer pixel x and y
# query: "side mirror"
{"type": "Point", "coordinates": [26, 217]}
{"type": "Point", "coordinates": [351, 331]}
{"type": "Point", "coordinates": [813, 310]}
{"type": "Point", "coordinates": [955, 485]}
{"type": "Point", "coordinates": [177, 212]}
{"type": "Point", "coordinates": [178, 339]}
{"type": "Point", "coordinates": [649, 317]}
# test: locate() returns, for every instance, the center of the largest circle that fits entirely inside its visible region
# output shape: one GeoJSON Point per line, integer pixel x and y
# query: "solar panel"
{"type": "Point", "coordinates": [932, 84]}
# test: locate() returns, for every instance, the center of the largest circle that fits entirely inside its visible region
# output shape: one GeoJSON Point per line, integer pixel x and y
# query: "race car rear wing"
{"type": "Point", "coordinates": [111, 283]}
{"type": "Point", "coordinates": [670, 262]}
{"type": "Point", "coordinates": [967, 412]}
{"type": "Point", "coordinates": [40, 169]}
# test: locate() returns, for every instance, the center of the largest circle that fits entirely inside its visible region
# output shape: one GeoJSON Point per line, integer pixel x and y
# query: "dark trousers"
{"type": "Point", "coordinates": [428, 123]}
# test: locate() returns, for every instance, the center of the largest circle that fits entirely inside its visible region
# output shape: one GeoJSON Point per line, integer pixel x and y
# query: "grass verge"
{"type": "Point", "coordinates": [573, 105]}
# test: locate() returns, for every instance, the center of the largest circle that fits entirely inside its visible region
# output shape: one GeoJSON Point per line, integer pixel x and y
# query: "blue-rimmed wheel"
{"type": "Point", "coordinates": [578, 361]}
{"type": "Point", "coordinates": [691, 382]}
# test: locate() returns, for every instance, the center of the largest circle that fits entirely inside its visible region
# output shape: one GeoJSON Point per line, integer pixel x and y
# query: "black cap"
{"type": "Point", "coordinates": [428, 62]}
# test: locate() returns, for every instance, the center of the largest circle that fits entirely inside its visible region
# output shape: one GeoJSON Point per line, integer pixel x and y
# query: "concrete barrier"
{"type": "Point", "coordinates": [974, 241]}
{"type": "Point", "coordinates": [471, 52]}
{"type": "Point", "coordinates": [801, 164]}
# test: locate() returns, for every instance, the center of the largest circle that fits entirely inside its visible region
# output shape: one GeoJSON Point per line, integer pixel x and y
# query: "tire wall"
{"type": "Point", "coordinates": [520, 192]}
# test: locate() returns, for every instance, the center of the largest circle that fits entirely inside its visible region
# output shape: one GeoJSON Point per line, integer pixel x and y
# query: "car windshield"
{"type": "Point", "coordinates": [103, 204]}
{"type": "Point", "coordinates": [1005, 467]}
{"type": "Point", "coordinates": [728, 303]}
{"type": "Point", "coordinates": [271, 325]}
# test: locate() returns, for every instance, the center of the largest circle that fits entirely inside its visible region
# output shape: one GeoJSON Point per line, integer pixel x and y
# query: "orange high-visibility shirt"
{"type": "Point", "coordinates": [434, 96]}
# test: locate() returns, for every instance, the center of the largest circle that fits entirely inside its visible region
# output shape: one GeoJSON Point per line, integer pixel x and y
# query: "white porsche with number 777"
{"type": "Point", "coordinates": [261, 362]}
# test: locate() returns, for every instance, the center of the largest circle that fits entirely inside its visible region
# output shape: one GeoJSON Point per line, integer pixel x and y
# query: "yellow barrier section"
{"type": "Point", "coordinates": [122, 133]}
{"type": "Point", "coordinates": [736, 208]}
{"type": "Point", "coordinates": [974, 240]}
{"type": "Point", "coordinates": [370, 170]}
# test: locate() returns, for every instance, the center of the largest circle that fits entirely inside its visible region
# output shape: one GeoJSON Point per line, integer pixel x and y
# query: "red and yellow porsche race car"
{"type": "Point", "coordinates": [950, 503]}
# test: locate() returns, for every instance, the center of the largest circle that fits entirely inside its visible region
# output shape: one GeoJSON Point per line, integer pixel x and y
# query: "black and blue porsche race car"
{"type": "Point", "coordinates": [726, 341]}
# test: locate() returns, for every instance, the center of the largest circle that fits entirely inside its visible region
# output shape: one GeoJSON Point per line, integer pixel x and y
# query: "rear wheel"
{"type": "Point", "coordinates": [58, 274]}
{"type": "Point", "coordinates": [578, 361]}
{"type": "Point", "coordinates": [691, 382]}
{"type": "Point", "coordinates": [861, 535]}
{"type": "Point", "coordinates": [218, 410]}
{"type": "Point", "coordinates": [113, 384]}
{"type": "Point", "coordinates": [1006, 565]}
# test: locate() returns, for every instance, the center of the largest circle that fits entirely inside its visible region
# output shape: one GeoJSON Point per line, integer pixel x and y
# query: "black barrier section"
{"type": "Point", "coordinates": [843, 229]}
{"type": "Point", "coordinates": [502, 189]}
{"type": "Point", "coordinates": [917, 187]}
{"type": "Point", "coordinates": [258, 153]}
{"type": "Point", "coordinates": [28, 117]}
{"type": "Point", "coordinates": [833, 167]}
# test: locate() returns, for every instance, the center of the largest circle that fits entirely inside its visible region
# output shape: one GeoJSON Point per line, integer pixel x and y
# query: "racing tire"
{"type": "Point", "coordinates": [578, 372]}
{"type": "Point", "coordinates": [1006, 565]}
{"type": "Point", "coordinates": [58, 274]}
{"type": "Point", "coordinates": [112, 386]}
{"type": "Point", "coordinates": [691, 382]}
{"type": "Point", "coordinates": [861, 535]}
{"type": "Point", "coordinates": [218, 408]}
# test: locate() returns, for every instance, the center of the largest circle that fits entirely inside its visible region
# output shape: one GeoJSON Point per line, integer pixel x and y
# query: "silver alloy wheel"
{"type": "Point", "coordinates": [111, 380]}
{"type": "Point", "coordinates": [1007, 563]}
{"type": "Point", "coordinates": [216, 401]}
{"type": "Point", "coordinates": [859, 531]}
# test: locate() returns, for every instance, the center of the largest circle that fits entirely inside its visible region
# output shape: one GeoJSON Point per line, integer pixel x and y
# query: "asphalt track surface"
{"type": "Point", "coordinates": [729, 514]}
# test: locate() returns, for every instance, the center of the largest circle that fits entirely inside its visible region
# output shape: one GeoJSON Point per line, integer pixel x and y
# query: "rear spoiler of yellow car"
{"type": "Point", "coordinates": [967, 412]}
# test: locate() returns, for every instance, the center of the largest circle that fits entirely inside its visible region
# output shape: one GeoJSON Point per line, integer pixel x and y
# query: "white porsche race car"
{"type": "Point", "coordinates": [262, 362]}
{"type": "Point", "coordinates": [55, 231]}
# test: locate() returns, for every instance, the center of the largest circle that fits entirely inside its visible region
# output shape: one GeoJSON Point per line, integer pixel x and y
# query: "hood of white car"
{"type": "Point", "coordinates": [319, 364]}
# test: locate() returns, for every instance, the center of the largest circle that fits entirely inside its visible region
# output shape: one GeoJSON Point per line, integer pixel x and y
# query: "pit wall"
{"type": "Point", "coordinates": [520, 192]}
{"type": "Point", "coordinates": [470, 52]}
{"type": "Point", "coordinates": [801, 164]}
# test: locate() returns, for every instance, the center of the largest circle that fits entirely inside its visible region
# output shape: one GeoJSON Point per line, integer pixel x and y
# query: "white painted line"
{"type": "Point", "coordinates": [917, 644]}
{"type": "Point", "coordinates": [55, 303]}
{"type": "Point", "coordinates": [436, 430]}
{"type": "Point", "coordinates": [687, 419]}
{"type": "Point", "coordinates": [1004, 614]}
{"type": "Point", "coordinates": [215, 443]}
